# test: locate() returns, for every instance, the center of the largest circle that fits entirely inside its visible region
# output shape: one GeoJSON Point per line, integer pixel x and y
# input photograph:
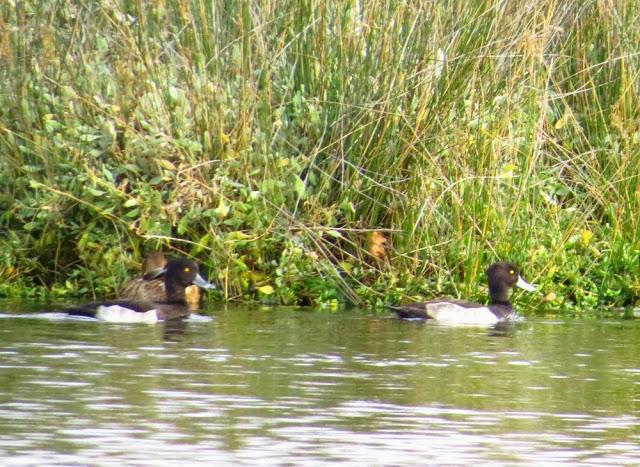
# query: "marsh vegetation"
{"type": "Point", "coordinates": [323, 151]}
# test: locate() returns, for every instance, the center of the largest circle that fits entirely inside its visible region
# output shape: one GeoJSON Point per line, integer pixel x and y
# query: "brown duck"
{"type": "Point", "coordinates": [151, 286]}
{"type": "Point", "coordinates": [178, 274]}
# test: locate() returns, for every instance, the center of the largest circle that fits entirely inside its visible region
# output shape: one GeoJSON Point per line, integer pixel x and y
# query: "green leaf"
{"type": "Point", "coordinates": [183, 224]}
{"type": "Point", "coordinates": [222, 210]}
{"type": "Point", "coordinates": [201, 244]}
{"type": "Point", "coordinates": [133, 213]}
{"type": "Point", "coordinates": [166, 164]}
{"type": "Point", "coordinates": [346, 266]}
{"type": "Point", "coordinates": [96, 192]}
{"type": "Point", "coordinates": [237, 235]}
{"type": "Point", "coordinates": [174, 95]}
{"type": "Point", "coordinates": [300, 187]}
{"type": "Point", "coordinates": [266, 290]}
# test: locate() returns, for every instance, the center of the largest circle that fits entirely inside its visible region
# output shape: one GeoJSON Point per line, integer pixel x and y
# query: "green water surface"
{"type": "Point", "coordinates": [266, 386]}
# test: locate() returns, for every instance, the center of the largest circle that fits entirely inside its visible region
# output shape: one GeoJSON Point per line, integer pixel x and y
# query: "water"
{"type": "Point", "coordinates": [283, 386]}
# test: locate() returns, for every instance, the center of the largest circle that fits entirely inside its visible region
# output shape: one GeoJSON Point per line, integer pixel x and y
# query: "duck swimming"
{"type": "Point", "coordinates": [501, 277]}
{"type": "Point", "coordinates": [150, 287]}
{"type": "Point", "coordinates": [178, 275]}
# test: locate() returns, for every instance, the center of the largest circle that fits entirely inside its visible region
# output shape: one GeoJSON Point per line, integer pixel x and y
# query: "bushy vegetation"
{"type": "Point", "coordinates": [322, 151]}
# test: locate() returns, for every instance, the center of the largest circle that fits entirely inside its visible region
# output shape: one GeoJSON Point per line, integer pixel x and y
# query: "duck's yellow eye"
{"type": "Point", "coordinates": [512, 272]}
{"type": "Point", "coordinates": [187, 269]}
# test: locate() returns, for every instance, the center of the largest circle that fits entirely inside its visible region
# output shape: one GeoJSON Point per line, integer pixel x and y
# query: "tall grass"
{"type": "Point", "coordinates": [310, 151]}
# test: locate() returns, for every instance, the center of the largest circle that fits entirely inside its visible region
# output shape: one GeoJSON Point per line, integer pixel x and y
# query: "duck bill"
{"type": "Point", "coordinates": [524, 285]}
{"type": "Point", "coordinates": [202, 283]}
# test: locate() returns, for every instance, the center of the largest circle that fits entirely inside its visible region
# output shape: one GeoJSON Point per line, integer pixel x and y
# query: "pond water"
{"type": "Point", "coordinates": [267, 386]}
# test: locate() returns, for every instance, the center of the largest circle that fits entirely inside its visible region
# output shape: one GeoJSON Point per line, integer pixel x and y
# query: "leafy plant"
{"type": "Point", "coordinates": [273, 141]}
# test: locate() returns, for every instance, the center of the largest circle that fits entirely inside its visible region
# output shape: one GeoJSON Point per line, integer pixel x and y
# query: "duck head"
{"type": "Point", "coordinates": [184, 272]}
{"type": "Point", "coordinates": [501, 277]}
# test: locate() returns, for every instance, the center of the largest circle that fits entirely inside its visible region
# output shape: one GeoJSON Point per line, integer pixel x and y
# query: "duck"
{"type": "Point", "coordinates": [178, 274]}
{"type": "Point", "coordinates": [150, 286]}
{"type": "Point", "coordinates": [501, 277]}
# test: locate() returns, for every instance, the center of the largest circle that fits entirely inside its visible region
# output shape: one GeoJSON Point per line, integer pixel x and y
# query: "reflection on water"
{"type": "Point", "coordinates": [266, 386]}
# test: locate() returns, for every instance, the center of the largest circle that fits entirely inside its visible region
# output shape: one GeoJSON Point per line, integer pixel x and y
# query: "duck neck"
{"type": "Point", "coordinates": [498, 296]}
{"type": "Point", "coordinates": [174, 292]}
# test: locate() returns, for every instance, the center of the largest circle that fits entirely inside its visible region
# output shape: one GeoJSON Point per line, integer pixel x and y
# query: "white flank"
{"type": "Point", "coordinates": [119, 314]}
{"type": "Point", "coordinates": [450, 313]}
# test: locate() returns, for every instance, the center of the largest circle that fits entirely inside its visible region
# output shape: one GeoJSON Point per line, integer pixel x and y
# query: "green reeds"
{"type": "Point", "coordinates": [322, 151]}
